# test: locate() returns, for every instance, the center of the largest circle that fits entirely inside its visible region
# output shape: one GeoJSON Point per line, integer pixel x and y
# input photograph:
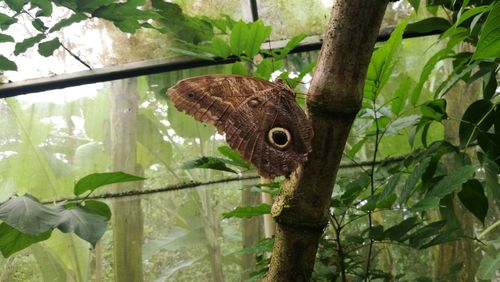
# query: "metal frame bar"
{"type": "Point", "coordinates": [312, 43]}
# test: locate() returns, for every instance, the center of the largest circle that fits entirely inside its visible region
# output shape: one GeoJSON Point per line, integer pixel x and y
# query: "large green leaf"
{"type": "Point", "coordinates": [257, 33]}
{"type": "Point", "coordinates": [239, 38]}
{"type": "Point", "coordinates": [85, 224]}
{"type": "Point", "coordinates": [425, 204]}
{"type": "Point", "coordinates": [45, 7]}
{"type": "Point", "coordinates": [6, 21]}
{"type": "Point", "coordinates": [28, 215]}
{"type": "Point", "coordinates": [51, 266]}
{"type": "Point", "coordinates": [424, 234]}
{"type": "Point", "coordinates": [452, 181]}
{"type": "Point", "coordinates": [478, 116]}
{"type": "Point", "coordinates": [398, 231]}
{"type": "Point", "coordinates": [6, 38]}
{"type": "Point", "coordinates": [248, 211]}
{"type": "Point", "coordinates": [473, 198]}
{"type": "Point", "coordinates": [488, 45]}
{"type": "Point", "coordinates": [12, 240]}
{"type": "Point", "coordinates": [429, 25]}
{"type": "Point", "coordinates": [98, 207]}
{"type": "Point", "coordinates": [96, 180]}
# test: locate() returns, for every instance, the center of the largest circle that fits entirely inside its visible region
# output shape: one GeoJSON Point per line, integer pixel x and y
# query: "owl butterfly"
{"type": "Point", "coordinates": [261, 119]}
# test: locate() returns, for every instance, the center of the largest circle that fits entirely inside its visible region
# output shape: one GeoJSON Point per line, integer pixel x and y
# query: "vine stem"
{"type": "Point", "coordinates": [340, 251]}
{"type": "Point", "coordinates": [372, 190]}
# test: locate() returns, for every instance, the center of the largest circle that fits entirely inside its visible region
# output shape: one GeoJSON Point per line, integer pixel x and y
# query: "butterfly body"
{"type": "Point", "coordinates": [261, 119]}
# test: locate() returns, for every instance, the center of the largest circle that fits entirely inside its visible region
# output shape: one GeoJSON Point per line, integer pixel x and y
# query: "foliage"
{"type": "Point", "coordinates": [26, 221]}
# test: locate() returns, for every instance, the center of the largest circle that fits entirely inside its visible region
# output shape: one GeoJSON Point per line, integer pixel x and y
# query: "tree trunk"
{"type": "Point", "coordinates": [127, 214]}
{"type": "Point", "coordinates": [301, 209]}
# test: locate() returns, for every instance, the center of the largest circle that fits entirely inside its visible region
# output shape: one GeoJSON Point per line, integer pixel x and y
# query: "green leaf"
{"type": "Point", "coordinates": [473, 198]}
{"type": "Point", "coordinates": [478, 116]}
{"type": "Point", "coordinates": [12, 240]}
{"type": "Point", "coordinates": [398, 232]}
{"type": "Point", "coordinates": [488, 267]}
{"type": "Point", "coordinates": [490, 85]}
{"type": "Point", "coordinates": [239, 68]}
{"type": "Point", "coordinates": [415, 4]}
{"type": "Point", "coordinates": [6, 64]}
{"type": "Point", "coordinates": [257, 34]}
{"type": "Point", "coordinates": [248, 211]}
{"type": "Point", "coordinates": [47, 48]}
{"type": "Point", "coordinates": [28, 215]}
{"type": "Point", "coordinates": [411, 182]}
{"type": "Point", "coordinates": [78, 17]}
{"type": "Point", "coordinates": [209, 163]}
{"type": "Point", "coordinates": [354, 188]}
{"type": "Point", "coordinates": [452, 181]}
{"type": "Point", "coordinates": [6, 38]}
{"type": "Point", "coordinates": [27, 43]}
{"type": "Point", "coordinates": [488, 45]}
{"type": "Point", "coordinates": [290, 45]}
{"type": "Point", "coordinates": [449, 235]}
{"type": "Point", "coordinates": [86, 225]}
{"type": "Point", "coordinates": [267, 67]}
{"type": "Point", "coordinates": [45, 7]}
{"type": "Point", "coordinates": [6, 21]}
{"type": "Point", "coordinates": [428, 25]}
{"type": "Point", "coordinates": [239, 38]}
{"type": "Point", "coordinates": [382, 63]}
{"type": "Point", "coordinates": [234, 156]}
{"type": "Point", "coordinates": [220, 48]}
{"type": "Point", "coordinates": [38, 25]}
{"type": "Point", "coordinates": [434, 110]}
{"type": "Point", "coordinates": [190, 53]}
{"type": "Point", "coordinates": [96, 180]}
{"type": "Point", "coordinates": [97, 207]}
{"type": "Point", "coordinates": [15, 5]}
{"type": "Point", "coordinates": [425, 204]}
{"type": "Point", "coordinates": [401, 95]}
{"type": "Point", "coordinates": [423, 234]}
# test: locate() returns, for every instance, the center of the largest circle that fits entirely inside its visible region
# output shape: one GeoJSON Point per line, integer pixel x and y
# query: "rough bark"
{"type": "Point", "coordinates": [301, 209]}
{"type": "Point", "coordinates": [127, 214]}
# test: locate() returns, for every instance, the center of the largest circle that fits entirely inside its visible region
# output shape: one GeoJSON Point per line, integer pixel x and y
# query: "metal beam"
{"type": "Point", "coordinates": [312, 43]}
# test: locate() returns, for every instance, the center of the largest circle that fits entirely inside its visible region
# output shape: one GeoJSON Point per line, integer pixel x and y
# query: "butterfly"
{"type": "Point", "coordinates": [260, 119]}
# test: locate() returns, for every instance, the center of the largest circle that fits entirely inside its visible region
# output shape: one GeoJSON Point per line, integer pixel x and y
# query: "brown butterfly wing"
{"type": "Point", "coordinates": [246, 109]}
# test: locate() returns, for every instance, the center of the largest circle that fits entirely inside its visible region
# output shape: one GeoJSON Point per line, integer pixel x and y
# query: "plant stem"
{"type": "Point", "coordinates": [340, 250]}
{"type": "Point", "coordinates": [372, 190]}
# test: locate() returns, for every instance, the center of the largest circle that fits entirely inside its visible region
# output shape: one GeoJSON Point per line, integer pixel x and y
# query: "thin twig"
{"type": "Point", "coordinates": [340, 251]}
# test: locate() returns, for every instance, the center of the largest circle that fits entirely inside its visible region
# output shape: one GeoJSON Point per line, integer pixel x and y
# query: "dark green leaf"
{"type": "Point", "coordinates": [353, 189]}
{"type": "Point", "coordinates": [220, 48]}
{"type": "Point", "coordinates": [45, 7]}
{"type": "Point", "coordinates": [267, 67]}
{"type": "Point", "coordinates": [248, 211]}
{"type": "Point", "coordinates": [478, 116]}
{"type": "Point", "coordinates": [449, 235]}
{"type": "Point", "coordinates": [263, 246]}
{"type": "Point", "coordinates": [398, 231]}
{"type": "Point", "coordinates": [6, 21]}
{"type": "Point", "coordinates": [490, 85]}
{"type": "Point", "coordinates": [428, 25]}
{"type": "Point", "coordinates": [28, 215]}
{"type": "Point", "coordinates": [401, 95]}
{"type": "Point", "coordinates": [96, 180]}
{"type": "Point", "coordinates": [425, 204]}
{"type": "Point", "coordinates": [234, 156]}
{"type": "Point", "coordinates": [6, 64]}
{"type": "Point", "coordinates": [488, 45]}
{"type": "Point", "coordinates": [39, 25]}
{"type": "Point", "coordinates": [27, 43]}
{"type": "Point", "coordinates": [411, 182]}
{"type": "Point", "coordinates": [47, 48]}
{"type": "Point", "coordinates": [12, 240]}
{"type": "Point", "coordinates": [97, 207]}
{"type": "Point", "coordinates": [15, 5]}
{"type": "Point", "coordinates": [434, 110]}
{"type": "Point", "coordinates": [473, 198]}
{"type": "Point", "coordinates": [423, 234]}
{"type": "Point", "coordinates": [92, 5]}
{"type": "Point", "coordinates": [376, 232]}
{"type": "Point", "coordinates": [6, 38]}
{"type": "Point", "coordinates": [209, 163]}
{"type": "Point", "coordinates": [415, 4]}
{"type": "Point", "coordinates": [452, 181]}
{"type": "Point", "coordinates": [86, 225]}
{"type": "Point", "coordinates": [78, 17]}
